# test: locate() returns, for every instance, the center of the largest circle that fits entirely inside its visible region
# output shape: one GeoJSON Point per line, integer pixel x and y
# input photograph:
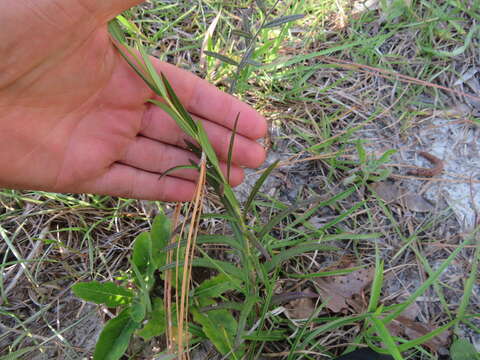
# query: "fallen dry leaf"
{"type": "Point", "coordinates": [391, 192]}
{"type": "Point", "coordinates": [339, 291]}
{"type": "Point", "coordinates": [407, 326]}
{"type": "Point", "coordinates": [402, 326]}
{"type": "Point", "coordinates": [417, 203]}
{"type": "Point", "coordinates": [300, 309]}
{"type": "Point", "coordinates": [388, 191]}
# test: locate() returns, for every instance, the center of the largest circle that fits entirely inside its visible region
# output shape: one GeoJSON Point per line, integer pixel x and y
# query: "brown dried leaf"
{"type": "Point", "coordinates": [415, 202]}
{"type": "Point", "coordinates": [390, 192]}
{"type": "Point", "coordinates": [339, 291]}
{"type": "Point", "coordinates": [407, 326]}
{"type": "Point", "coordinates": [300, 309]}
{"type": "Point", "coordinates": [387, 191]}
{"type": "Point", "coordinates": [402, 326]}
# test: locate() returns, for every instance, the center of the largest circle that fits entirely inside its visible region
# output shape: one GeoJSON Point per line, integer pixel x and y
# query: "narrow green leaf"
{"type": "Point", "coordinates": [429, 282]}
{"type": "Point", "coordinates": [178, 106]}
{"type": "Point", "coordinates": [152, 72]}
{"type": "Point", "coordinates": [376, 286]}
{"type": "Point", "coordinates": [219, 239]}
{"type": "Point", "coordinates": [275, 335]}
{"type": "Point", "coordinates": [139, 68]}
{"type": "Point", "coordinates": [242, 322]}
{"type": "Point", "coordinates": [386, 338]}
{"type": "Point", "coordinates": [461, 349]}
{"type": "Point", "coordinates": [459, 50]}
{"type": "Point", "coordinates": [387, 155]}
{"type": "Point", "coordinates": [294, 251]}
{"type": "Point", "coordinates": [179, 167]}
{"type": "Point", "coordinates": [282, 20]}
{"type": "Point", "coordinates": [338, 272]}
{"type": "Point", "coordinates": [230, 147]}
{"type": "Point", "coordinates": [115, 337]}
{"type": "Point", "coordinates": [184, 125]}
{"type": "Point", "coordinates": [157, 323]}
{"type": "Point", "coordinates": [256, 187]}
{"type": "Point", "coordinates": [242, 33]}
{"type": "Point", "coordinates": [425, 338]}
{"type": "Point", "coordinates": [221, 57]}
{"type": "Point", "coordinates": [362, 154]}
{"type": "Point", "coordinates": [262, 6]}
{"type": "Point", "coordinates": [210, 153]}
{"type": "Point", "coordinates": [222, 266]}
{"type": "Point", "coordinates": [19, 353]}
{"type": "Point", "coordinates": [107, 293]}
{"type": "Point", "coordinates": [253, 62]}
{"type": "Point", "coordinates": [116, 31]}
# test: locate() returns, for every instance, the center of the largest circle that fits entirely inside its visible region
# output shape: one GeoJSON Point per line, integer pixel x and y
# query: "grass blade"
{"type": "Point", "coordinates": [256, 187]}
{"type": "Point", "coordinates": [230, 147]}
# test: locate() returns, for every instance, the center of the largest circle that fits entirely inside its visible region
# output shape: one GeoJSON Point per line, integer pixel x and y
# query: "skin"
{"type": "Point", "coordinates": [74, 117]}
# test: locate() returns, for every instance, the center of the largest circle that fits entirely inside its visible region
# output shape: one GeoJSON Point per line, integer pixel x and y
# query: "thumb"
{"type": "Point", "coordinates": [106, 10]}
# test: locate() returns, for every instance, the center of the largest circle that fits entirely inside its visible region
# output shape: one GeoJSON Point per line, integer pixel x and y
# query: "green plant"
{"type": "Point", "coordinates": [240, 296]}
{"type": "Point", "coordinates": [369, 167]}
{"type": "Point", "coordinates": [153, 249]}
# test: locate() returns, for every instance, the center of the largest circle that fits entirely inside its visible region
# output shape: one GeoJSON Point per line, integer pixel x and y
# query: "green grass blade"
{"type": "Point", "coordinates": [297, 250]}
{"type": "Point", "coordinates": [387, 339]}
{"type": "Point", "coordinates": [256, 187]}
{"type": "Point", "coordinates": [230, 147]}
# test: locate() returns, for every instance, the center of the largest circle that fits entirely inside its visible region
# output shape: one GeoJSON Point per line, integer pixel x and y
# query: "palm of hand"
{"type": "Point", "coordinates": [74, 117]}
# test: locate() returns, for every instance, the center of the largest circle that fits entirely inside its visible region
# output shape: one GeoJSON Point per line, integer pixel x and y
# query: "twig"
{"type": "Point", "coordinates": [428, 172]}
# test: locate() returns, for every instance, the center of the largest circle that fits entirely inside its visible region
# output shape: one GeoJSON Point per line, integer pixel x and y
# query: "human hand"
{"type": "Point", "coordinates": [74, 117]}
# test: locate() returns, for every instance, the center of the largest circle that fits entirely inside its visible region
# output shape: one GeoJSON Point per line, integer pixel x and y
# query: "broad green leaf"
{"type": "Point", "coordinates": [142, 251]}
{"type": "Point", "coordinates": [221, 57]}
{"type": "Point", "coordinates": [282, 20]}
{"type": "Point", "coordinates": [157, 323]}
{"type": "Point", "coordinates": [138, 309]}
{"type": "Point", "coordinates": [115, 336]}
{"type": "Point", "coordinates": [461, 349]}
{"type": "Point", "coordinates": [214, 287]}
{"type": "Point", "coordinates": [219, 326]}
{"type": "Point", "coordinates": [107, 293]}
{"type": "Point", "coordinates": [142, 260]}
{"type": "Point", "coordinates": [160, 236]}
